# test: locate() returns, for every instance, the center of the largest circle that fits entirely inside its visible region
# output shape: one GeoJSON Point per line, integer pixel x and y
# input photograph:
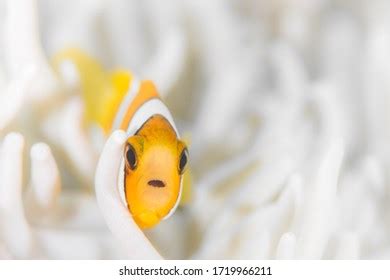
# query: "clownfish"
{"type": "Point", "coordinates": [155, 158]}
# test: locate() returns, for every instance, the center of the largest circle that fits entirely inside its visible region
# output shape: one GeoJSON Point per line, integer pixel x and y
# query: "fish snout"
{"type": "Point", "coordinates": [156, 183]}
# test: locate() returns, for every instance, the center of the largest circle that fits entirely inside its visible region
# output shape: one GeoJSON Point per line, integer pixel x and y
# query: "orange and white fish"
{"type": "Point", "coordinates": [155, 157]}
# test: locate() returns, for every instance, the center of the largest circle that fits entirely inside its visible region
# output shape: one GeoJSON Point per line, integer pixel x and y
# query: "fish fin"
{"type": "Point", "coordinates": [92, 77]}
{"type": "Point", "coordinates": [101, 91]}
{"type": "Point", "coordinates": [186, 194]}
{"type": "Point", "coordinates": [120, 81]}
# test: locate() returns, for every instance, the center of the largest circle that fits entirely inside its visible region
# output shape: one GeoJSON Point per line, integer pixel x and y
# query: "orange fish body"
{"type": "Point", "coordinates": [155, 158]}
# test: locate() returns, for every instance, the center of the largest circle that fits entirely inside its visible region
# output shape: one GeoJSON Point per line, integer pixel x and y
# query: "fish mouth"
{"type": "Point", "coordinates": [156, 183]}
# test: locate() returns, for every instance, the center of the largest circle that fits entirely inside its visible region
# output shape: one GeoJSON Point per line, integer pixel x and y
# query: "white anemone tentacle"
{"type": "Point", "coordinates": [117, 216]}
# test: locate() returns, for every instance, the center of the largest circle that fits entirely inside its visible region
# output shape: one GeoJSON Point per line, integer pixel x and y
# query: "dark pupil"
{"type": "Point", "coordinates": [130, 156]}
{"type": "Point", "coordinates": [183, 160]}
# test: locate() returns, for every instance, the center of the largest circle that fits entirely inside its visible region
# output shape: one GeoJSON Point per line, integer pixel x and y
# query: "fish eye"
{"type": "Point", "coordinates": [183, 161]}
{"type": "Point", "coordinates": [131, 159]}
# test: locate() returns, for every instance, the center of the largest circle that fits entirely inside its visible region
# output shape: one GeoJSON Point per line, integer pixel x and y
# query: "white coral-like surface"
{"type": "Point", "coordinates": [286, 105]}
